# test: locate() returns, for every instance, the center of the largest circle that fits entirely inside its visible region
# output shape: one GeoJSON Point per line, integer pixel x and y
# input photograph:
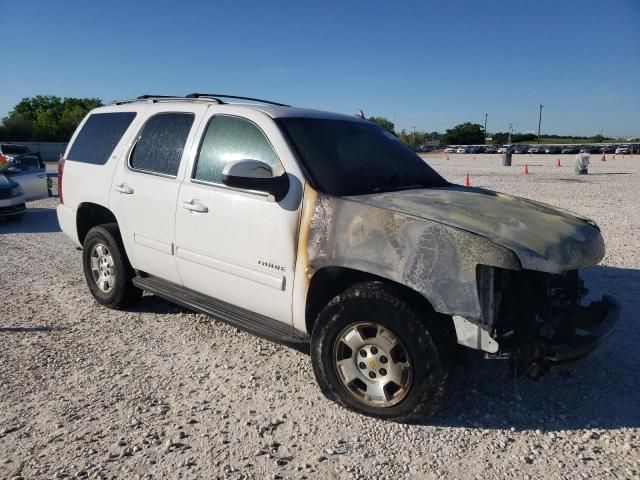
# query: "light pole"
{"type": "Point", "coordinates": [539, 122]}
{"type": "Point", "coordinates": [510, 129]}
{"type": "Point", "coordinates": [414, 135]}
{"type": "Point", "coordinates": [485, 127]}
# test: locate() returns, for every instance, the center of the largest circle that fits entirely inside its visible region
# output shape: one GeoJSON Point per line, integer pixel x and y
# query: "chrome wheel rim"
{"type": "Point", "coordinates": [373, 364]}
{"type": "Point", "coordinates": [102, 268]}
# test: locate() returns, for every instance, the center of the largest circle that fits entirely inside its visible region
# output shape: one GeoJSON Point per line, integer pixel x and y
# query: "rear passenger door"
{"type": "Point", "coordinates": [146, 183]}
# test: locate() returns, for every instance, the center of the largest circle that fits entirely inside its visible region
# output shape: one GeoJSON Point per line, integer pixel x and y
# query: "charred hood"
{"type": "Point", "coordinates": [543, 237]}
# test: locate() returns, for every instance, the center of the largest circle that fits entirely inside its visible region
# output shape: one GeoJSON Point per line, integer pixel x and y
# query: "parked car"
{"type": "Point", "coordinates": [608, 149]}
{"type": "Point", "coordinates": [29, 171]}
{"type": "Point", "coordinates": [461, 150]}
{"type": "Point", "coordinates": [570, 150]}
{"type": "Point", "coordinates": [323, 230]}
{"type": "Point", "coordinates": [552, 149]}
{"type": "Point", "coordinates": [12, 200]}
{"type": "Point", "coordinates": [505, 149]}
{"type": "Point", "coordinates": [450, 150]}
{"type": "Point", "coordinates": [536, 150]}
{"type": "Point", "coordinates": [622, 150]}
{"type": "Point", "coordinates": [490, 149]}
{"type": "Point", "coordinates": [10, 150]}
{"type": "Point", "coordinates": [521, 149]}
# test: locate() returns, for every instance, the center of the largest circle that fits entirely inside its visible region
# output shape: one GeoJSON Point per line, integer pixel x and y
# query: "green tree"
{"type": "Point", "coordinates": [46, 118]}
{"type": "Point", "coordinates": [464, 134]}
{"type": "Point", "coordinates": [384, 123]}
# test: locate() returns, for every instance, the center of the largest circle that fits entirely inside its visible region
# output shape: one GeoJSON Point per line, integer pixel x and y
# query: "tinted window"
{"type": "Point", "coordinates": [344, 157]}
{"type": "Point", "coordinates": [159, 148]}
{"type": "Point", "coordinates": [228, 139]}
{"type": "Point", "coordinates": [14, 149]}
{"type": "Point", "coordinates": [99, 136]}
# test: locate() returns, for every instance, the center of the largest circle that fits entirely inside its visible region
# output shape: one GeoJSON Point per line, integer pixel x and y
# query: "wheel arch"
{"type": "Point", "coordinates": [90, 215]}
{"type": "Point", "coordinates": [329, 282]}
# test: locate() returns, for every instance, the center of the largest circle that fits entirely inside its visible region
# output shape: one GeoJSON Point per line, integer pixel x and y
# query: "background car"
{"type": "Point", "coordinates": [570, 150]}
{"type": "Point", "coordinates": [461, 150]}
{"type": "Point", "coordinates": [552, 149]}
{"type": "Point", "coordinates": [505, 149]}
{"type": "Point", "coordinates": [622, 149]}
{"type": "Point", "coordinates": [450, 150]}
{"type": "Point", "coordinates": [29, 171]}
{"type": "Point", "coordinates": [12, 200]}
{"type": "Point", "coordinates": [521, 149]}
{"type": "Point", "coordinates": [10, 150]}
{"type": "Point", "coordinates": [490, 149]}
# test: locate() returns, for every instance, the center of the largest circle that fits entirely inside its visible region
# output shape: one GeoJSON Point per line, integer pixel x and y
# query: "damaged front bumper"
{"type": "Point", "coordinates": [590, 330]}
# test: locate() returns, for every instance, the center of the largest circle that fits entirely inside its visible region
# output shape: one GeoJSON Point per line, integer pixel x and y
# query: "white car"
{"type": "Point", "coordinates": [12, 200]}
{"type": "Point", "coordinates": [623, 150]}
{"type": "Point", "coordinates": [325, 231]}
{"type": "Point", "coordinates": [450, 150]}
{"type": "Point", "coordinates": [22, 179]}
{"type": "Point", "coordinates": [461, 150]}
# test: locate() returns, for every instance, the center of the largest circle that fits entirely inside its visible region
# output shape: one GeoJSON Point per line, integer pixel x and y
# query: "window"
{"type": "Point", "coordinates": [161, 142]}
{"type": "Point", "coordinates": [99, 136]}
{"type": "Point", "coordinates": [351, 157]}
{"type": "Point", "coordinates": [14, 149]}
{"type": "Point", "coordinates": [27, 162]}
{"type": "Point", "coordinates": [228, 139]}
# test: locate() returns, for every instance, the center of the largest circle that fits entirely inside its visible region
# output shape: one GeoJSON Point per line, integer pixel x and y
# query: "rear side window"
{"type": "Point", "coordinates": [161, 142]}
{"type": "Point", "coordinates": [99, 136]}
{"type": "Point", "coordinates": [228, 139]}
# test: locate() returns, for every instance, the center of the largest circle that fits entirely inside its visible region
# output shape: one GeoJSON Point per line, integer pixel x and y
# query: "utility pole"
{"type": "Point", "coordinates": [510, 130]}
{"type": "Point", "coordinates": [414, 135]}
{"type": "Point", "coordinates": [485, 127]}
{"type": "Point", "coordinates": [539, 122]}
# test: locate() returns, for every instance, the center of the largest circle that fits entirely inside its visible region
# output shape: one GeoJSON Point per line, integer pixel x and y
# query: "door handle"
{"type": "Point", "coordinates": [195, 207]}
{"type": "Point", "coordinates": [123, 188]}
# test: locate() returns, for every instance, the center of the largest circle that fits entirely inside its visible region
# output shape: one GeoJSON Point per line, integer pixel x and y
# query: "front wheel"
{"type": "Point", "coordinates": [376, 351]}
{"type": "Point", "coordinates": [106, 268]}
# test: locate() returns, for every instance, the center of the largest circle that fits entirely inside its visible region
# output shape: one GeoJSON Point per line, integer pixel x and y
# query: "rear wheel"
{"type": "Point", "coordinates": [106, 268]}
{"type": "Point", "coordinates": [377, 352]}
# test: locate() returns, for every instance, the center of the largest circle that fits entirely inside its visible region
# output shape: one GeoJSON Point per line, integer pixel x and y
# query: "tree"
{"type": "Point", "coordinates": [464, 134]}
{"type": "Point", "coordinates": [46, 118]}
{"type": "Point", "coordinates": [384, 123]}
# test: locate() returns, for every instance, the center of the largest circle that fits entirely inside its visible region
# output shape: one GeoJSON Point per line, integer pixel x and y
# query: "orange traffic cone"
{"type": "Point", "coordinates": [614, 157]}
{"type": "Point", "coordinates": [525, 170]}
{"type": "Point", "coordinates": [466, 180]}
{"type": "Point", "coordinates": [447, 156]}
{"type": "Point", "coordinates": [558, 162]}
{"type": "Point", "coordinates": [603, 157]}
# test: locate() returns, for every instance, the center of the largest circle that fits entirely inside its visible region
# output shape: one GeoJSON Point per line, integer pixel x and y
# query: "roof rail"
{"type": "Point", "coordinates": [159, 98]}
{"type": "Point", "coordinates": [216, 95]}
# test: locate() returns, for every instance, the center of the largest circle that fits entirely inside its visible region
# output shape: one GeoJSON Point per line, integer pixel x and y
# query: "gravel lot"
{"type": "Point", "coordinates": [160, 392]}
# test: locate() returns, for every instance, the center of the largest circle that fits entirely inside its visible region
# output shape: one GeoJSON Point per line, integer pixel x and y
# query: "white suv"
{"type": "Point", "coordinates": [312, 227]}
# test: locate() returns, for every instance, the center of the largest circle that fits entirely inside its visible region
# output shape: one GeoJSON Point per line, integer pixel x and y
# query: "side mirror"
{"type": "Point", "coordinates": [255, 175]}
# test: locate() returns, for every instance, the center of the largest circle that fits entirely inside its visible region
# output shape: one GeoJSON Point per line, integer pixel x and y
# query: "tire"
{"type": "Point", "coordinates": [110, 284]}
{"type": "Point", "coordinates": [422, 342]}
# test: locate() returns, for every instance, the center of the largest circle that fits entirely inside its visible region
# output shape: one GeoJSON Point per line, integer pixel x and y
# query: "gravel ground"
{"type": "Point", "coordinates": [160, 392]}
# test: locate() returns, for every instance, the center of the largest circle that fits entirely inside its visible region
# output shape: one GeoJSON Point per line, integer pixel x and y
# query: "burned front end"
{"type": "Point", "coordinates": [540, 321]}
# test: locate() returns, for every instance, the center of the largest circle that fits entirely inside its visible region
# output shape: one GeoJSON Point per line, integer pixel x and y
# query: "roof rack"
{"type": "Point", "coordinates": [211, 97]}
{"type": "Point", "coordinates": [217, 95]}
{"type": "Point", "coordinates": [159, 98]}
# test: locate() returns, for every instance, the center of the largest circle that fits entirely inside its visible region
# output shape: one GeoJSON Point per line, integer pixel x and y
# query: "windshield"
{"type": "Point", "coordinates": [344, 157]}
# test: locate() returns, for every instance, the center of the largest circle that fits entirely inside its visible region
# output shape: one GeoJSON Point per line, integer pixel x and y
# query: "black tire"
{"type": "Point", "coordinates": [422, 332]}
{"type": "Point", "coordinates": [122, 292]}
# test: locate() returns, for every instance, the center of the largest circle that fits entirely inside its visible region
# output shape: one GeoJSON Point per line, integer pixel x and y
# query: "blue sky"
{"type": "Point", "coordinates": [429, 64]}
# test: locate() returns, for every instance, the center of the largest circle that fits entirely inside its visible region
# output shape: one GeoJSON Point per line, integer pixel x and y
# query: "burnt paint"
{"type": "Point", "coordinates": [432, 240]}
